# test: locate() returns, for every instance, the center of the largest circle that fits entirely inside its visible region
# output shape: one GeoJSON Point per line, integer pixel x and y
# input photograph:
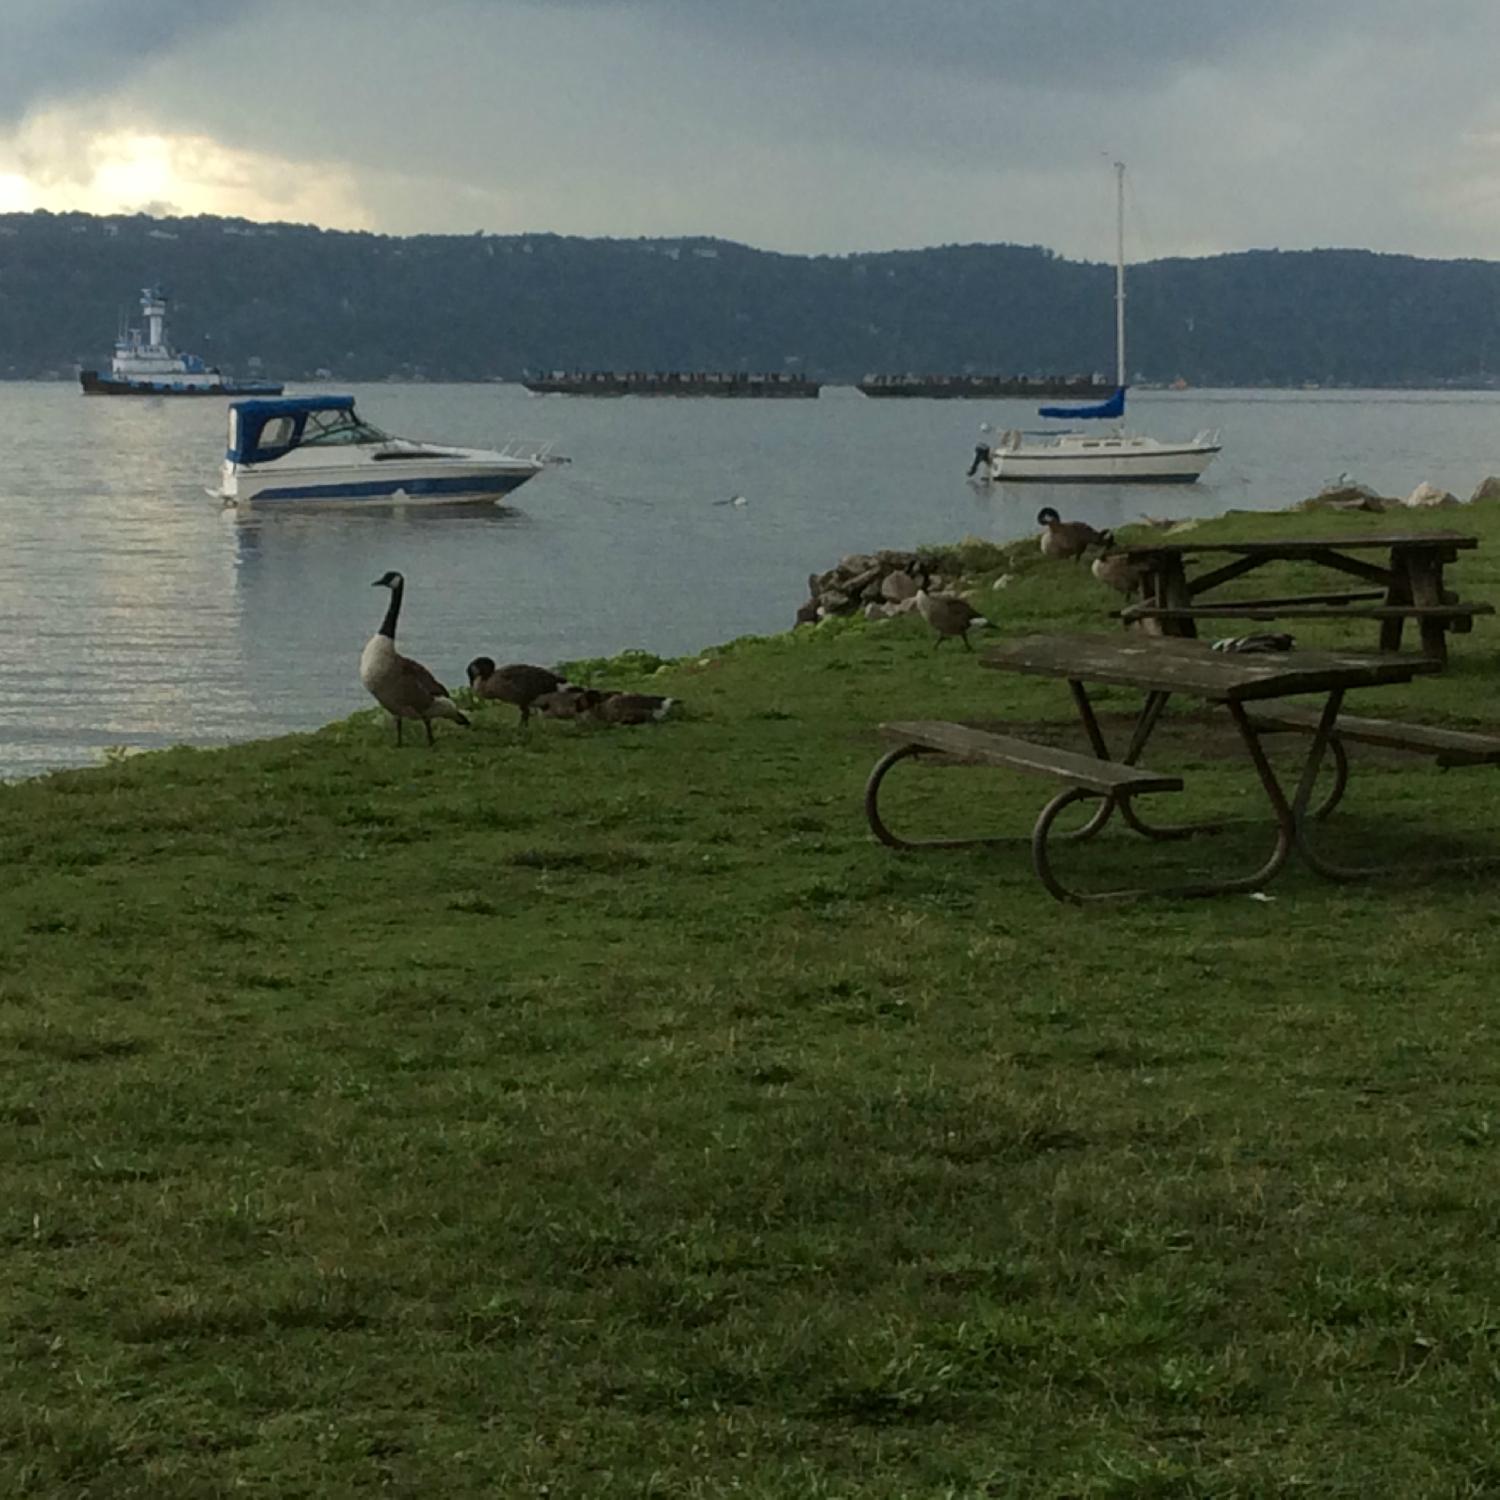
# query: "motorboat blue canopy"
{"type": "Point", "coordinates": [285, 415]}
{"type": "Point", "coordinates": [1108, 410]}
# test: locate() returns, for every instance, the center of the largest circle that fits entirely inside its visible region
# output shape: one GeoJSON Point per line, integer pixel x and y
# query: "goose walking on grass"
{"type": "Point", "coordinates": [949, 615]}
{"type": "Point", "coordinates": [401, 686]}
{"type": "Point", "coordinates": [519, 684]}
{"type": "Point", "coordinates": [1068, 538]}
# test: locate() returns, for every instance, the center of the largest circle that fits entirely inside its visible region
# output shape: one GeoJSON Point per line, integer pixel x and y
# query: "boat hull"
{"type": "Point", "coordinates": [392, 483]}
{"type": "Point", "coordinates": [95, 384]}
{"type": "Point", "coordinates": [1103, 461]}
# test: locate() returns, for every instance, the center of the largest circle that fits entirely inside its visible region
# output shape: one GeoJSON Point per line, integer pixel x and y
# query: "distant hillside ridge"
{"type": "Point", "coordinates": [293, 300]}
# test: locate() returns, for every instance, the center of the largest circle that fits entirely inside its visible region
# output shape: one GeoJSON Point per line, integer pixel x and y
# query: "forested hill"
{"type": "Point", "coordinates": [298, 300]}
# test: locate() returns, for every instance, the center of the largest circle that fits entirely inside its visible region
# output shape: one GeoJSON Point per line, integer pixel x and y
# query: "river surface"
{"type": "Point", "coordinates": [136, 611]}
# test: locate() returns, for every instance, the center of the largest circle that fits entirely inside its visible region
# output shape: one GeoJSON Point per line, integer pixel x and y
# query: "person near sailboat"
{"type": "Point", "coordinates": [1117, 456]}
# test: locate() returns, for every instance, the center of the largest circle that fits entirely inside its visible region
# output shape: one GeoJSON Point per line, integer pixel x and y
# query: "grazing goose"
{"type": "Point", "coordinates": [949, 615]}
{"type": "Point", "coordinates": [1068, 538]}
{"type": "Point", "coordinates": [630, 708]}
{"type": "Point", "coordinates": [401, 686]}
{"type": "Point", "coordinates": [567, 702]}
{"type": "Point", "coordinates": [1119, 571]}
{"type": "Point", "coordinates": [517, 684]}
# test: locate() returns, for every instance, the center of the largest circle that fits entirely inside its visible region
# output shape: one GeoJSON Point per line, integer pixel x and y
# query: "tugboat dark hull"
{"type": "Point", "coordinates": [95, 384]}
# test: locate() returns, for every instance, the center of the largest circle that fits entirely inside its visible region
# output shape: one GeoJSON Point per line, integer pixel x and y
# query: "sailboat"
{"type": "Point", "coordinates": [1115, 457]}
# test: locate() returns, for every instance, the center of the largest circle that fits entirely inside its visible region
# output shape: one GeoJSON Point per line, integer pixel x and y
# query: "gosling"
{"type": "Point", "coordinates": [518, 684]}
{"type": "Point", "coordinates": [630, 708]}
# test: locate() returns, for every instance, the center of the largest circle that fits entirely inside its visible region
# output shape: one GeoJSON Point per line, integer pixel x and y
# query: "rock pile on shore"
{"type": "Point", "coordinates": [876, 584]}
{"type": "Point", "coordinates": [1346, 494]}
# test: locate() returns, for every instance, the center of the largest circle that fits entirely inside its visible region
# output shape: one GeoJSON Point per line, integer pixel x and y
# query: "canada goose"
{"type": "Point", "coordinates": [517, 683]}
{"type": "Point", "coordinates": [401, 686]}
{"type": "Point", "coordinates": [630, 708]}
{"type": "Point", "coordinates": [1068, 538]}
{"type": "Point", "coordinates": [1119, 571]}
{"type": "Point", "coordinates": [565, 702]}
{"type": "Point", "coordinates": [949, 615]}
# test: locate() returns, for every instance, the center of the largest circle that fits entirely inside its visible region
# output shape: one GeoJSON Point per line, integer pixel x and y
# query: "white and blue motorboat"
{"type": "Point", "coordinates": [315, 449]}
{"type": "Point", "coordinates": [145, 364]}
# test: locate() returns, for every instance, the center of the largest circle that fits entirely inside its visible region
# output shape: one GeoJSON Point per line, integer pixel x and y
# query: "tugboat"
{"type": "Point", "coordinates": [145, 365]}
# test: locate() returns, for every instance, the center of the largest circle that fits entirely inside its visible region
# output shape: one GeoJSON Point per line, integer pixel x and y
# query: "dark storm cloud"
{"type": "Point", "coordinates": [50, 49]}
{"type": "Point", "coordinates": [1037, 43]}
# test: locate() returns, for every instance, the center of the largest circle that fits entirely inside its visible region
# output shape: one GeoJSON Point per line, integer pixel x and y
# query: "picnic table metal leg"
{"type": "Point", "coordinates": [1041, 861]}
{"type": "Point", "coordinates": [1145, 726]}
{"type": "Point", "coordinates": [1326, 736]}
{"type": "Point", "coordinates": [882, 831]}
{"type": "Point", "coordinates": [1289, 815]}
{"type": "Point", "coordinates": [1310, 767]}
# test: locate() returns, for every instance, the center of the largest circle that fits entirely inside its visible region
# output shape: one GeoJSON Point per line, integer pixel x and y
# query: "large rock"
{"type": "Point", "coordinates": [1489, 489]}
{"type": "Point", "coordinates": [863, 582]}
{"type": "Point", "coordinates": [1344, 497]}
{"type": "Point", "coordinates": [1427, 496]}
{"type": "Point", "coordinates": [898, 585]}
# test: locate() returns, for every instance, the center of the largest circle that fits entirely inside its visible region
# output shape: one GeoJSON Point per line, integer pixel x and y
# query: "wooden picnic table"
{"type": "Point", "coordinates": [1246, 685]}
{"type": "Point", "coordinates": [1407, 585]}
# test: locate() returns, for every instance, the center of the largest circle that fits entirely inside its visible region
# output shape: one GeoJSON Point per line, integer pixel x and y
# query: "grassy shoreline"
{"type": "Point", "coordinates": [605, 1114]}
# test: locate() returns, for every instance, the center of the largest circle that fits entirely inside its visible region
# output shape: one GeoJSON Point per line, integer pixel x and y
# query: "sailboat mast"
{"type": "Point", "coordinates": [1119, 274]}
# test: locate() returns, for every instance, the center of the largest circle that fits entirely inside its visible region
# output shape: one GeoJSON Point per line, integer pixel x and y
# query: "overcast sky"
{"type": "Point", "coordinates": [796, 125]}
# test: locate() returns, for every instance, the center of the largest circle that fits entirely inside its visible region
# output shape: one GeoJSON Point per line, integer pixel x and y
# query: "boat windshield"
{"type": "Point", "coordinates": [327, 428]}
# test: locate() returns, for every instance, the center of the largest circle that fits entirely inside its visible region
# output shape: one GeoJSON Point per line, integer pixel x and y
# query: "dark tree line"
{"type": "Point", "coordinates": [455, 307]}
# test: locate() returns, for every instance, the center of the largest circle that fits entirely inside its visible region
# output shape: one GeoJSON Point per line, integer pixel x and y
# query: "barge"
{"type": "Point", "coordinates": [669, 383]}
{"type": "Point", "coordinates": [959, 387]}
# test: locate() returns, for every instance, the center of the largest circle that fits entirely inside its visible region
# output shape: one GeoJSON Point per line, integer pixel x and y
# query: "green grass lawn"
{"type": "Point", "coordinates": [606, 1114]}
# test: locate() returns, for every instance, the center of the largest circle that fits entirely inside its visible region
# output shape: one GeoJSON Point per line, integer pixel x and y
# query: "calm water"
{"type": "Point", "coordinates": [134, 610]}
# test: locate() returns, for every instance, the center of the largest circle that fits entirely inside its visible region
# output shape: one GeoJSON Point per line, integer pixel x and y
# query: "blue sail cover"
{"type": "Point", "coordinates": [1114, 407]}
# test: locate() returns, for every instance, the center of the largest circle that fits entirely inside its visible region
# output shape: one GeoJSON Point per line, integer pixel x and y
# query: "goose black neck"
{"type": "Point", "coordinates": [388, 625]}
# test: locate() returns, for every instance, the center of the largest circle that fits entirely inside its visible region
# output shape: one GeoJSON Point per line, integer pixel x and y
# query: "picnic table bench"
{"type": "Point", "coordinates": [1410, 585]}
{"type": "Point", "coordinates": [1248, 686]}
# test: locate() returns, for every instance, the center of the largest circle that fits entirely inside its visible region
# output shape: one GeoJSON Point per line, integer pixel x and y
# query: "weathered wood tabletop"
{"type": "Point", "coordinates": [1165, 664]}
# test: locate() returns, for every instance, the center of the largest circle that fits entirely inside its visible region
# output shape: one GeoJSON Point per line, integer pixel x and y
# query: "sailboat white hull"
{"type": "Point", "coordinates": [1116, 458]}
